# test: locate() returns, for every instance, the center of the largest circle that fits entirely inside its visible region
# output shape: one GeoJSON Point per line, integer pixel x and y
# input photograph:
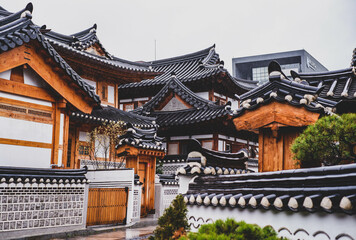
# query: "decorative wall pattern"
{"type": "Point", "coordinates": [171, 168]}
{"type": "Point", "coordinates": [136, 205]}
{"type": "Point", "coordinates": [41, 205]}
{"type": "Point", "coordinates": [169, 193]}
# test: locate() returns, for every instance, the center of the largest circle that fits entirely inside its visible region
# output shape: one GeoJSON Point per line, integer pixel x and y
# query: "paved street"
{"type": "Point", "coordinates": [129, 233]}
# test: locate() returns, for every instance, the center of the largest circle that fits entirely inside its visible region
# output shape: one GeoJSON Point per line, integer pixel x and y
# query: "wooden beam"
{"type": "Point", "coordinates": [59, 83]}
{"type": "Point", "coordinates": [25, 104]}
{"type": "Point", "coordinates": [17, 74]}
{"type": "Point", "coordinates": [27, 117]}
{"type": "Point", "coordinates": [13, 58]}
{"type": "Point", "coordinates": [25, 143]}
{"type": "Point", "coordinates": [275, 112]}
{"type": "Point", "coordinates": [25, 90]}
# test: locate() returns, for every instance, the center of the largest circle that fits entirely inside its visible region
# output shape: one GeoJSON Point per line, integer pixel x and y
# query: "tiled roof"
{"type": "Point", "coordinates": [17, 29]}
{"type": "Point", "coordinates": [142, 138]}
{"type": "Point", "coordinates": [209, 162]}
{"type": "Point", "coordinates": [327, 189]}
{"type": "Point", "coordinates": [190, 67]}
{"type": "Point", "coordinates": [79, 42]}
{"type": "Point", "coordinates": [42, 175]}
{"type": "Point", "coordinates": [168, 179]}
{"type": "Point", "coordinates": [338, 85]}
{"type": "Point", "coordinates": [111, 115]}
{"type": "Point", "coordinates": [201, 110]}
{"type": "Point", "coordinates": [280, 88]}
{"type": "Point", "coordinates": [353, 60]}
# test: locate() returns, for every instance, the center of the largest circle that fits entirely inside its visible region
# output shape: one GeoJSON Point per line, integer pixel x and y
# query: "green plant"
{"type": "Point", "coordinates": [329, 142]}
{"type": "Point", "coordinates": [230, 229]}
{"type": "Point", "coordinates": [173, 223]}
{"type": "Point", "coordinates": [159, 166]}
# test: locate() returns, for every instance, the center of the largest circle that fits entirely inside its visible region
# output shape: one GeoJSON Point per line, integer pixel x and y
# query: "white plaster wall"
{"type": "Point", "coordinates": [25, 99]}
{"type": "Point", "coordinates": [90, 82]}
{"type": "Point", "coordinates": [5, 74]}
{"type": "Point", "coordinates": [61, 128]}
{"type": "Point", "coordinates": [30, 77]}
{"type": "Point", "coordinates": [333, 224]}
{"type": "Point", "coordinates": [184, 183]}
{"type": "Point", "coordinates": [234, 103]}
{"type": "Point", "coordinates": [12, 128]}
{"type": "Point", "coordinates": [83, 136]}
{"type": "Point", "coordinates": [20, 156]}
{"type": "Point", "coordinates": [204, 95]}
{"type": "Point", "coordinates": [111, 94]}
{"type": "Point", "coordinates": [60, 156]}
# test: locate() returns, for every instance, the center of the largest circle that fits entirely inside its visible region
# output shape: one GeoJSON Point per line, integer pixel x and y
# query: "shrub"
{"type": "Point", "coordinates": [173, 223]}
{"type": "Point", "coordinates": [230, 229]}
{"type": "Point", "coordinates": [329, 142]}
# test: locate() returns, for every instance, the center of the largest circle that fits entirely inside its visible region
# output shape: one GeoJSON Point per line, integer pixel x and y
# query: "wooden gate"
{"type": "Point", "coordinates": [142, 172]}
{"type": "Point", "coordinates": [107, 206]}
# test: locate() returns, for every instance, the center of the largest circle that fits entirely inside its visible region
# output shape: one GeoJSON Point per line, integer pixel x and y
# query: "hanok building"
{"type": "Point", "coordinates": [46, 106]}
{"type": "Point", "coordinates": [191, 99]}
{"type": "Point", "coordinates": [38, 90]}
{"type": "Point", "coordinates": [281, 108]}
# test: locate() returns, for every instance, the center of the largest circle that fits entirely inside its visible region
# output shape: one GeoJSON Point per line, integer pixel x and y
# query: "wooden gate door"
{"type": "Point", "coordinates": [107, 206]}
{"type": "Point", "coordinates": [142, 172]}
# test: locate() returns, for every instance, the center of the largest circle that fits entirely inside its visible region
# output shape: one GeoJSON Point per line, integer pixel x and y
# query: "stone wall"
{"type": "Point", "coordinates": [35, 205]}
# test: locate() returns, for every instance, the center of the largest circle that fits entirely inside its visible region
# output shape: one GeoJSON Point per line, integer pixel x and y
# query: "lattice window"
{"type": "Point", "coordinates": [40, 113]}
{"type": "Point", "coordinates": [25, 110]}
{"type": "Point", "coordinates": [83, 150]}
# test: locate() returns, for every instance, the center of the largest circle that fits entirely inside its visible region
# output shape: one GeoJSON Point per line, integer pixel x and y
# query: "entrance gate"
{"type": "Point", "coordinates": [107, 206]}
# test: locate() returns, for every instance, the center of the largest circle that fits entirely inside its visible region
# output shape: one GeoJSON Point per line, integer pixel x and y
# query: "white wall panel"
{"type": "Point", "coordinates": [20, 156]}
{"type": "Point", "coordinates": [30, 77]}
{"type": "Point", "coordinates": [25, 99]}
{"type": "Point", "coordinates": [61, 129]}
{"type": "Point", "coordinates": [60, 155]}
{"type": "Point", "coordinates": [5, 74]}
{"type": "Point", "coordinates": [204, 95]}
{"type": "Point", "coordinates": [25, 130]}
{"type": "Point", "coordinates": [83, 136]}
{"type": "Point", "coordinates": [111, 94]}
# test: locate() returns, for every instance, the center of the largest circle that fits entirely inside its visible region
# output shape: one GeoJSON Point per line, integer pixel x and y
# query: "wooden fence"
{"type": "Point", "coordinates": [107, 206]}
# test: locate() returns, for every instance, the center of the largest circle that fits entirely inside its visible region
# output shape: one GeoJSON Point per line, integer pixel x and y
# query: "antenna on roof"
{"type": "Point", "coordinates": [155, 49]}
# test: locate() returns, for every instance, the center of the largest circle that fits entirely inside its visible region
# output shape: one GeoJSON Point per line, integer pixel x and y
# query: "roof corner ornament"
{"type": "Point", "coordinates": [26, 14]}
{"type": "Point", "coordinates": [93, 29]}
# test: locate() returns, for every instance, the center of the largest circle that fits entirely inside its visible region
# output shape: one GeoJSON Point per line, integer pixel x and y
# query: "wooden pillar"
{"type": "Point", "coordinates": [132, 162]}
{"type": "Point", "coordinates": [55, 135]}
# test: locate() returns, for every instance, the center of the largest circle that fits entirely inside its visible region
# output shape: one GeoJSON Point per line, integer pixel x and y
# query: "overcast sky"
{"type": "Point", "coordinates": [128, 29]}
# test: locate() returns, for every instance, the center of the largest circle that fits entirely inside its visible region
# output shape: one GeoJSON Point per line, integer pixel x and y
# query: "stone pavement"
{"type": "Point", "coordinates": [128, 233]}
{"type": "Point", "coordinates": [139, 231]}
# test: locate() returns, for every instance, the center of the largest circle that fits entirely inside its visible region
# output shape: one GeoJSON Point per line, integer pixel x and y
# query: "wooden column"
{"type": "Point", "coordinates": [278, 125]}
{"type": "Point", "coordinates": [55, 135]}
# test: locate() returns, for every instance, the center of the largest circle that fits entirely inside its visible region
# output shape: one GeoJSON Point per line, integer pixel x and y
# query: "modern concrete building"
{"type": "Point", "coordinates": [255, 67]}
